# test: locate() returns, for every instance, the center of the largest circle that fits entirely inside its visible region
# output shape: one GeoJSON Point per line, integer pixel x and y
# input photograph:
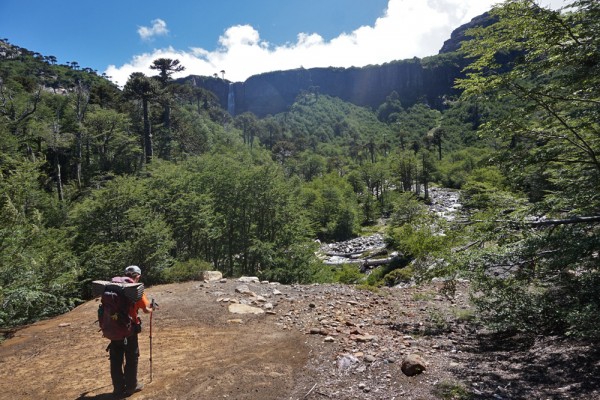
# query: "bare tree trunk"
{"type": "Point", "coordinates": [78, 158]}
{"type": "Point", "coordinates": [147, 133]}
{"type": "Point", "coordinates": [83, 97]}
{"type": "Point", "coordinates": [59, 186]}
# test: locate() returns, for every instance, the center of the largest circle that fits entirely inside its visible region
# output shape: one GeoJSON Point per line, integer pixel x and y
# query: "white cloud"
{"type": "Point", "coordinates": [409, 28]}
{"type": "Point", "coordinates": [158, 28]}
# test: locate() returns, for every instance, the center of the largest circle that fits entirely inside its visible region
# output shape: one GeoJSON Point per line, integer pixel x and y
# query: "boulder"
{"type": "Point", "coordinates": [413, 364]}
{"type": "Point", "coordinates": [212, 276]}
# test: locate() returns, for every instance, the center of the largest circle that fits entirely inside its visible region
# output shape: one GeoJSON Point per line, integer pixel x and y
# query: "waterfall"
{"type": "Point", "coordinates": [231, 100]}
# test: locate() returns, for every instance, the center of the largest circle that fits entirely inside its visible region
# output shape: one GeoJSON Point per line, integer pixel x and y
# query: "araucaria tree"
{"type": "Point", "coordinates": [140, 87]}
{"type": "Point", "coordinates": [539, 270]}
{"type": "Point", "coordinates": [166, 67]}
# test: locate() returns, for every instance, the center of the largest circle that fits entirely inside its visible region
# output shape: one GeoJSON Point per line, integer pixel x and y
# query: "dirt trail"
{"type": "Point", "coordinates": [197, 354]}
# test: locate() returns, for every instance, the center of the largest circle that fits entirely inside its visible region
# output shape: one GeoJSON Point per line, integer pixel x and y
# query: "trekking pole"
{"type": "Point", "coordinates": [153, 304]}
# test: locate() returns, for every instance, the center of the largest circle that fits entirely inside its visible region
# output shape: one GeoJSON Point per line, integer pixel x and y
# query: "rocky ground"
{"type": "Point", "coordinates": [249, 340]}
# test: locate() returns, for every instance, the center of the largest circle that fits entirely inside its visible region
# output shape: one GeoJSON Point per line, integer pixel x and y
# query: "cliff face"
{"type": "Point", "coordinates": [369, 86]}
{"type": "Point", "coordinates": [274, 92]}
{"type": "Point", "coordinates": [429, 80]}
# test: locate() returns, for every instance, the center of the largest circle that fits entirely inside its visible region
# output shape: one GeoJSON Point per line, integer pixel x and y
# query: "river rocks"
{"type": "Point", "coordinates": [354, 251]}
{"type": "Point", "coordinates": [445, 203]}
{"type": "Point", "coordinates": [370, 251]}
{"type": "Point", "coordinates": [354, 246]}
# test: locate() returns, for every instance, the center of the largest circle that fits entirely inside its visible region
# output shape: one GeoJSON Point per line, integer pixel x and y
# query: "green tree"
{"type": "Point", "coordinates": [332, 207]}
{"type": "Point", "coordinates": [117, 225]}
{"type": "Point", "coordinates": [38, 271]}
{"type": "Point", "coordinates": [388, 111]}
{"type": "Point", "coordinates": [248, 124]}
{"type": "Point", "coordinates": [542, 275]}
{"type": "Point", "coordinates": [109, 148]}
{"type": "Point", "coordinates": [166, 67]}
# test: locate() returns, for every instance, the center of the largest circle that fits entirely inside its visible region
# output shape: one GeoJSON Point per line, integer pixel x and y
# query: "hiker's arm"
{"type": "Point", "coordinates": [145, 305]}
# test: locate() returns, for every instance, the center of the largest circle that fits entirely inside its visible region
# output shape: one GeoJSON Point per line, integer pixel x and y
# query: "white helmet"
{"type": "Point", "coordinates": [133, 270]}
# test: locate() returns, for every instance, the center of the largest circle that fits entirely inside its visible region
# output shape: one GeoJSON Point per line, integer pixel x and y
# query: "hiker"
{"type": "Point", "coordinates": [124, 380]}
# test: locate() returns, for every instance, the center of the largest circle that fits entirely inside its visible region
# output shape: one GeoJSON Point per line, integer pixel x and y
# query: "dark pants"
{"type": "Point", "coordinates": [124, 379]}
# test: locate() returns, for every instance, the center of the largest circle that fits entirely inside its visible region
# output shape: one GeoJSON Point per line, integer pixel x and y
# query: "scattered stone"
{"type": "Point", "coordinates": [369, 358]}
{"type": "Point", "coordinates": [243, 289]}
{"type": "Point", "coordinates": [413, 364]}
{"type": "Point", "coordinates": [329, 339]}
{"type": "Point", "coordinates": [235, 321]}
{"type": "Point", "coordinates": [64, 324]}
{"type": "Point", "coordinates": [364, 338]}
{"type": "Point", "coordinates": [346, 361]}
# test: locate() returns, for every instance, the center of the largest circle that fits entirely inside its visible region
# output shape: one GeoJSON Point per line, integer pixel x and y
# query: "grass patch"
{"type": "Point", "coordinates": [464, 315]}
{"type": "Point", "coordinates": [424, 296]}
{"type": "Point", "coordinates": [452, 391]}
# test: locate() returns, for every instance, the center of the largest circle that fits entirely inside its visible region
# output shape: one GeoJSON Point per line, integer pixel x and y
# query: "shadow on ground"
{"type": "Point", "coordinates": [517, 366]}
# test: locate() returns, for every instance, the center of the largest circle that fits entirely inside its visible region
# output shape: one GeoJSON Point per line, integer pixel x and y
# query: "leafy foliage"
{"type": "Point", "coordinates": [533, 275]}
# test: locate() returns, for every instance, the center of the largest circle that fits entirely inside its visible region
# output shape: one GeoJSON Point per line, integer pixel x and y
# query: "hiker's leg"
{"type": "Point", "coordinates": [116, 354]}
{"type": "Point", "coordinates": [132, 353]}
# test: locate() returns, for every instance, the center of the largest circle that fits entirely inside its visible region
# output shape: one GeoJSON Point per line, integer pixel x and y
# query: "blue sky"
{"type": "Point", "coordinates": [240, 37]}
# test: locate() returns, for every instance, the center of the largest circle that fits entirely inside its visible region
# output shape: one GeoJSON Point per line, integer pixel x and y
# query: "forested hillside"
{"type": "Point", "coordinates": [96, 177]}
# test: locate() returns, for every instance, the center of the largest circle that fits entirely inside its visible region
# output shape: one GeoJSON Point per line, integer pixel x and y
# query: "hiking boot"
{"type": "Point", "coordinates": [138, 388]}
{"type": "Point", "coordinates": [119, 394]}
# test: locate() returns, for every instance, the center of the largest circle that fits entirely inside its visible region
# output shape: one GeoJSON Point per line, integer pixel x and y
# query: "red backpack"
{"type": "Point", "coordinates": [114, 314]}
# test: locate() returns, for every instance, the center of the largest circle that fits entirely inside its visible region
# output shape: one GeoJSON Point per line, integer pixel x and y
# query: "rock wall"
{"type": "Point", "coordinates": [275, 92]}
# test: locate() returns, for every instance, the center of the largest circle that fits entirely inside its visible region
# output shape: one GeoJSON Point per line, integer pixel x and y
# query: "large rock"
{"type": "Point", "coordinates": [243, 289]}
{"type": "Point", "coordinates": [244, 309]}
{"type": "Point", "coordinates": [413, 364]}
{"type": "Point", "coordinates": [249, 279]}
{"type": "Point", "coordinates": [212, 276]}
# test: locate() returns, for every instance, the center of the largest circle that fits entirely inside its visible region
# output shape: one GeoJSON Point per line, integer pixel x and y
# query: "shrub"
{"type": "Point", "coordinates": [401, 275]}
{"type": "Point", "coordinates": [183, 271]}
{"type": "Point", "coordinates": [349, 274]}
